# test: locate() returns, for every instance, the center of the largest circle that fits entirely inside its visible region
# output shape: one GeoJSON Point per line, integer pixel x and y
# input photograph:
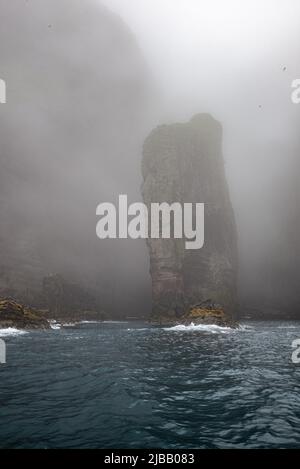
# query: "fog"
{"type": "Point", "coordinates": [71, 134]}
{"type": "Point", "coordinates": [87, 84]}
{"type": "Point", "coordinates": [236, 60]}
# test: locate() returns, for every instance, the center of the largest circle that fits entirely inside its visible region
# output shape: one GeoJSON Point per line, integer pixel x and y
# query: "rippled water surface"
{"type": "Point", "coordinates": [127, 385]}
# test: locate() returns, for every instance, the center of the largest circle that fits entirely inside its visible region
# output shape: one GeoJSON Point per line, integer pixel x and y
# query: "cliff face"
{"type": "Point", "coordinates": [70, 135]}
{"type": "Point", "coordinates": [183, 163]}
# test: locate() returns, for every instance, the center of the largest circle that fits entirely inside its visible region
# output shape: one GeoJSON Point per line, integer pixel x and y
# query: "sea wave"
{"type": "Point", "coordinates": [212, 328]}
{"type": "Point", "coordinates": [115, 322]}
{"type": "Point", "coordinates": [55, 325]}
{"type": "Point", "coordinates": [245, 328]}
{"type": "Point", "coordinates": [288, 327]}
{"type": "Point", "coordinates": [95, 321]}
{"type": "Point", "coordinates": [11, 331]}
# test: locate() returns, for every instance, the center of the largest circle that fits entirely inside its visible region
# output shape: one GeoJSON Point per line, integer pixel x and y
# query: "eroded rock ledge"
{"type": "Point", "coordinates": [13, 314]}
{"type": "Point", "coordinates": [197, 314]}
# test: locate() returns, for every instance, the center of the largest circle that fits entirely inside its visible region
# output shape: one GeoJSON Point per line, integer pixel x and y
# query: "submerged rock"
{"type": "Point", "coordinates": [183, 163]}
{"type": "Point", "coordinates": [13, 314]}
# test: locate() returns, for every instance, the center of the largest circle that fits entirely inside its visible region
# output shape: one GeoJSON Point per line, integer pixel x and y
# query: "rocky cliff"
{"type": "Point", "coordinates": [13, 314]}
{"type": "Point", "coordinates": [184, 163]}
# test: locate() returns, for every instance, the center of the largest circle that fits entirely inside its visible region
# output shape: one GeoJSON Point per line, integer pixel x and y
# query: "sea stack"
{"type": "Point", "coordinates": [184, 163]}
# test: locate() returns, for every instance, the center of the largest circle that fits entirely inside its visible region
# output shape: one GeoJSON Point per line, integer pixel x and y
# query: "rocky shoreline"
{"type": "Point", "coordinates": [13, 314]}
{"type": "Point", "coordinates": [18, 316]}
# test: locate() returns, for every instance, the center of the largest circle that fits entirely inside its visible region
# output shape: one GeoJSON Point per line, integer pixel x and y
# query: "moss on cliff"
{"type": "Point", "coordinates": [13, 314]}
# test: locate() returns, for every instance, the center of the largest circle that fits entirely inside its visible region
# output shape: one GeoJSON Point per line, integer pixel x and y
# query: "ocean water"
{"type": "Point", "coordinates": [129, 385]}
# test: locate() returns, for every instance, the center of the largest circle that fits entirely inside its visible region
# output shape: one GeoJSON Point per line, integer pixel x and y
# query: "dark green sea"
{"type": "Point", "coordinates": [129, 385]}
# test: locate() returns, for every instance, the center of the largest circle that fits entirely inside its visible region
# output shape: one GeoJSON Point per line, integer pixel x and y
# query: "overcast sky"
{"type": "Point", "coordinates": [198, 43]}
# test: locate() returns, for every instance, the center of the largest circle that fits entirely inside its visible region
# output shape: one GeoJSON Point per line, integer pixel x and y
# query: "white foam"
{"type": "Point", "coordinates": [55, 325]}
{"type": "Point", "coordinates": [245, 327]}
{"type": "Point", "coordinates": [115, 322]}
{"type": "Point", "coordinates": [11, 331]}
{"type": "Point", "coordinates": [89, 322]}
{"type": "Point", "coordinates": [288, 327]}
{"type": "Point", "coordinates": [212, 328]}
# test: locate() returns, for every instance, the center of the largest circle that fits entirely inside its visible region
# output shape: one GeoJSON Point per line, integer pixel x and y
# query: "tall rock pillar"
{"type": "Point", "coordinates": [183, 163]}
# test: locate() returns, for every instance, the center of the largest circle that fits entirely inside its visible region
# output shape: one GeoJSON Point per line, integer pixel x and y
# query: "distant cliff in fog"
{"type": "Point", "coordinates": [70, 137]}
